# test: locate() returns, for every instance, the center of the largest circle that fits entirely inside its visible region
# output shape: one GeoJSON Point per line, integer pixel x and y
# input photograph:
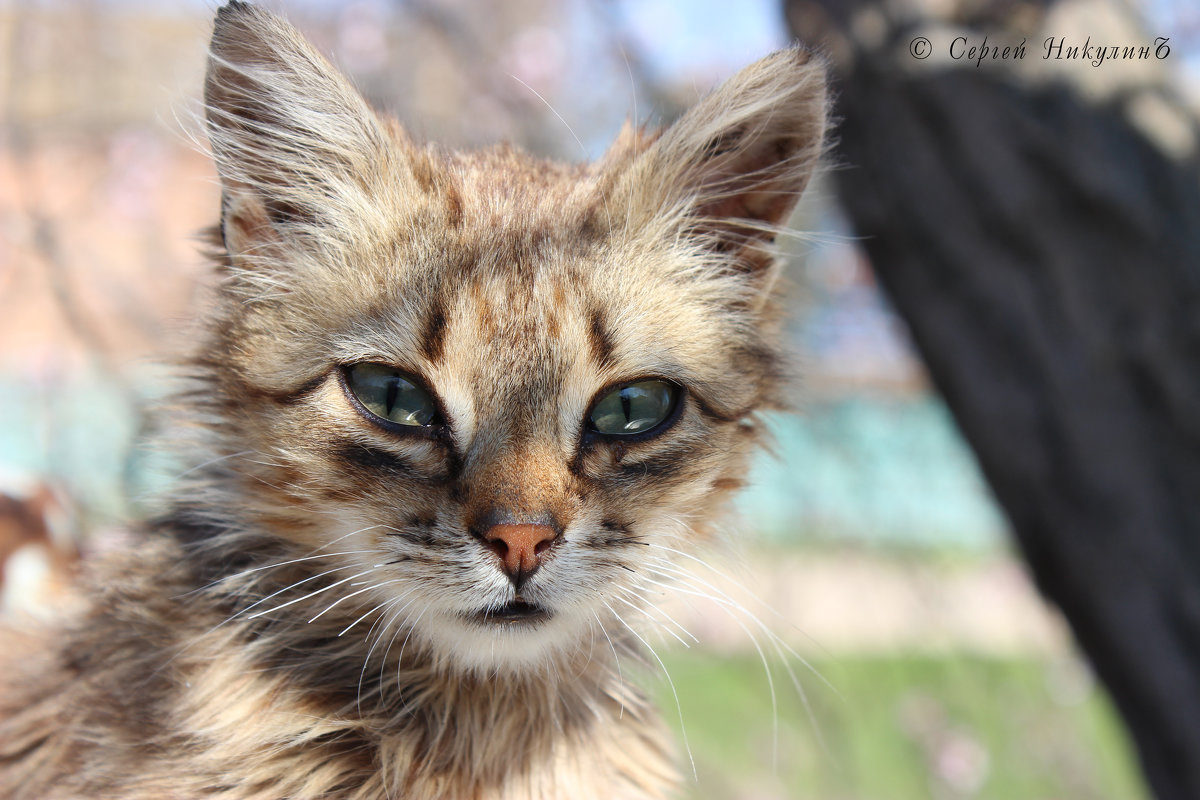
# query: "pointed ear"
{"type": "Point", "coordinates": [737, 162]}
{"type": "Point", "coordinates": [295, 145]}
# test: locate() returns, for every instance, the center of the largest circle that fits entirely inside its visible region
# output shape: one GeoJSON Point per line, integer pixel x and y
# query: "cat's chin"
{"type": "Point", "coordinates": [516, 638]}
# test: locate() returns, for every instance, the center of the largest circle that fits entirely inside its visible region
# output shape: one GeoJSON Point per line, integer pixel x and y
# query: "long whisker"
{"type": "Point", "coordinates": [661, 626]}
{"type": "Point", "coordinates": [666, 673]}
{"type": "Point", "coordinates": [725, 577]}
{"type": "Point", "coordinates": [762, 657]}
{"type": "Point", "coordinates": [211, 462]}
{"type": "Point", "coordinates": [638, 592]}
{"type": "Point", "coordinates": [679, 571]}
{"type": "Point", "coordinates": [278, 592]}
{"type": "Point", "coordinates": [389, 601]}
{"type": "Point", "coordinates": [387, 622]}
{"type": "Point", "coordinates": [554, 111]}
{"type": "Point", "coordinates": [728, 605]}
{"type": "Point", "coordinates": [345, 597]}
{"type": "Point", "coordinates": [403, 645]}
{"type": "Point", "coordinates": [616, 661]}
{"type": "Point", "coordinates": [244, 573]}
{"type": "Point", "coordinates": [310, 594]}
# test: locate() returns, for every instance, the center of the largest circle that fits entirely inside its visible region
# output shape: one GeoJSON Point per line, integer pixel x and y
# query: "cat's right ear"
{"type": "Point", "coordinates": [299, 152]}
{"type": "Point", "coordinates": [732, 168]}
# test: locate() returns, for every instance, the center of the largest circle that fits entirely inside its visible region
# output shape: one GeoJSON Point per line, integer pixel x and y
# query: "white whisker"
{"type": "Point", "coordinates": [387, 622]}
{"type": "Point", "coordinates": [636, 591]}
{"type": "Point", "coordinates": [388, 602]}
{"type": "Point", "coordinates": [766, 669]}
{"type": "Point", "coordinates": [369, 587]}
{"type": "Point", "coordinates": [657, 624]}
{"type": "Point", "coordinates": [666, 673]}
{"type": "Point", "coordinates": [781, 648]}
{"type": "Point", "coordinates": [616, 661]}
{"type": "Point", "coordinates": [310, 594]}
{"type": "Point", "coordinates": [276, 565]}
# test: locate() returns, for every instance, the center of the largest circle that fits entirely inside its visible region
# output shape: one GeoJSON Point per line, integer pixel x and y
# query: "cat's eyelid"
{"type": "Point", "coordinates": [362, 345]}
{"type": "Point", "coordinates": [379, 359]}
{"type": "Point", "coordinates": [647, 377]}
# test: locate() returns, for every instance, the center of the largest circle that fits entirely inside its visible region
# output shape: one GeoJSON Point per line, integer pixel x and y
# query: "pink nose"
{"type": "Point", "coordinates": [520, 547]}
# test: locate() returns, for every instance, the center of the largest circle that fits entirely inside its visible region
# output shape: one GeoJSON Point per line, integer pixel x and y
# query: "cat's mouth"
{"type": "Point", "coordinates": [514, 612]}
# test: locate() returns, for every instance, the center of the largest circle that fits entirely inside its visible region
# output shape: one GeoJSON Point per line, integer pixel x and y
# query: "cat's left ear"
{"type": "Point", "coordinates": [301, 155]}
{"type": "Point", "coordinates": [733, 167]}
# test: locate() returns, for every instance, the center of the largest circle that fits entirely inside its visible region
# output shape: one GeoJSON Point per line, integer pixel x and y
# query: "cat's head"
{"type": "Point", "coordinates": [499, 391]}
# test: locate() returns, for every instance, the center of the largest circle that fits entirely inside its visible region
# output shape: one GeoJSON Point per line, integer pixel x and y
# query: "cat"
{"type": "Point", "coordinates": [451, 416]}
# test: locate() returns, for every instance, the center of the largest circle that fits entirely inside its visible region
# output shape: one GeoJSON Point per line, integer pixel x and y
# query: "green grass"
{"type": "Point", "coordinates": [899, 727]}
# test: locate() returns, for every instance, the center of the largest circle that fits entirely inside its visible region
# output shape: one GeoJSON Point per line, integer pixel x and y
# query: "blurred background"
{"type": "Point", "coordinates": [926, 665]}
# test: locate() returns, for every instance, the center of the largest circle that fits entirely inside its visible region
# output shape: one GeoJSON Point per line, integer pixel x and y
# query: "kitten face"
{"type": "Point", "coordinates": [510, 297]}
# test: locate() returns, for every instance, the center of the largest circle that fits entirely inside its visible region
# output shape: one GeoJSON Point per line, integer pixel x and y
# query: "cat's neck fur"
{"type": "Point", "coordinates": [402, 725]}
{"type": "Point", "coordinates": [395, 718]}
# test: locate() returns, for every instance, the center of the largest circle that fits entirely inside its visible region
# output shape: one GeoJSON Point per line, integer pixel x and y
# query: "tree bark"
{"type": "Point", "coordinates": [1046, 257]}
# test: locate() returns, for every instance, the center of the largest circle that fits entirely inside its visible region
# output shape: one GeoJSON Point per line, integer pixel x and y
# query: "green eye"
{"type": "Point", "coordinates": [635, 408]}
{"type": "Point", "coordinates": [390, 394]}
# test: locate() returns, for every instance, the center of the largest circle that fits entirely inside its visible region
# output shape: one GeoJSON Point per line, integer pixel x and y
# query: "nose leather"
{"type": "Point", "coordinates": [520, 547]}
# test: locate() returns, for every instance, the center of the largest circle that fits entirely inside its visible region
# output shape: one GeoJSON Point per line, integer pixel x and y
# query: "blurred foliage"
{"type": "Point", "coordinates": [898, 728]}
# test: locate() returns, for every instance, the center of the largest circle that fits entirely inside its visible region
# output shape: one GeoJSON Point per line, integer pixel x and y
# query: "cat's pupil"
{"type": "Point", "coordinates": [635, 408]}
{"type": "Point", "coordinates": [392, 390]}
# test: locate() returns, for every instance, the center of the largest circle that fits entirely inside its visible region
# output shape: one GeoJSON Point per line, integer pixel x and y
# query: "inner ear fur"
{"type": "Point", "coordinates": [737, 162]}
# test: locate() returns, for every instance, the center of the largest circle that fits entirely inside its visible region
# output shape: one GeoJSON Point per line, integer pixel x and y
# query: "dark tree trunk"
{"type": "Point", "coordinates": [1046, 257]}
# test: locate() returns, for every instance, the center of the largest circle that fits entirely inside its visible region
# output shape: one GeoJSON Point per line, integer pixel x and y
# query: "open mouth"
{"type": "Point", "coordinates": [514, 612]}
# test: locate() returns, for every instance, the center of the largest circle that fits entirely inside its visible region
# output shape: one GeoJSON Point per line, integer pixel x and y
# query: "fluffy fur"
{"type": "Point", "coordinates": [304, 620]}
